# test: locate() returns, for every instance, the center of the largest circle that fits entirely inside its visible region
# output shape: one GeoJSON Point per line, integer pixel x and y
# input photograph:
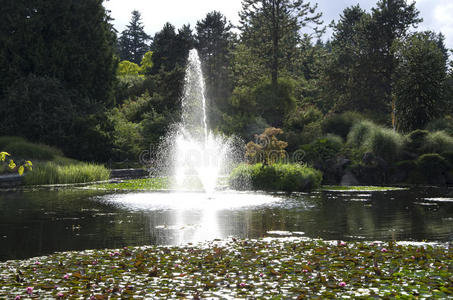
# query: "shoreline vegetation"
{"type": "Point", "coordinates": [264, 268]}
{"type": "Point", "coordinates": [368, 155]}
{"type": "Point", "coordinates": [50, 166]}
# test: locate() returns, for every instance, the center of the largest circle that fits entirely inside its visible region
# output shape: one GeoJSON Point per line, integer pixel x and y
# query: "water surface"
{"type": "Point", "coordinates": [39, 222]}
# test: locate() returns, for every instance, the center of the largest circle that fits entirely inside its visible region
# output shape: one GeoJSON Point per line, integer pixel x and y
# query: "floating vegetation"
{"type": "Point", "coordinates": [335, 188]}
{"type": "Point", "coordinates": [290, 268]}
{"type": "Point", "coordinates": [146, 184]}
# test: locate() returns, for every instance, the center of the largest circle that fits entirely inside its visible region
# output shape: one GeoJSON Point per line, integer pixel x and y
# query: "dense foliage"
{"type": "Point", "coordinates": [275, 177]}
{"type": "Point", "coordinates": [102, 97]}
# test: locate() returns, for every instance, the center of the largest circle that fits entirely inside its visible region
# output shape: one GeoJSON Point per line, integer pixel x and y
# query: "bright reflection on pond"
{"type": "Point", "coordinates": [191, 216]}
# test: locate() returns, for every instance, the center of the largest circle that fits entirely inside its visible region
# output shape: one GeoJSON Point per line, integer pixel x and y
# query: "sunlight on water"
{"type": "Point", "coordinates": [194, 215]}
{"type": "Point", "coordinates": [192, 200]}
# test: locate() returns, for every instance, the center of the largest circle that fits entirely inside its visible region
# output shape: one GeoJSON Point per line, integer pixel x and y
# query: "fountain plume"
{"type": "Point", "coordinates": [198, 155]}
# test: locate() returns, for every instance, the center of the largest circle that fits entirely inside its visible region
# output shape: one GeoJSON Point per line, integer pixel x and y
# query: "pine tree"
{"type": "Point", "coordinates": [171, 49]}
{"type": "Point", "coordinates": [358, 75]}
{"type": "Point", "coordinates": [132, 43]}
{"type": "Point", "coordinates": [71, 41]}
{"type": "Point", "coordinates": [419, 80]}
{"type": "Point", "coordinates": [271, 28]}
{"type": "Point", "coordinates": [213, 39]}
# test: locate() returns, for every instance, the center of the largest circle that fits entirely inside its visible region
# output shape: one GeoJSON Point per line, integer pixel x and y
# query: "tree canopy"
{"type": "Point", "coordinates": [133, 42]}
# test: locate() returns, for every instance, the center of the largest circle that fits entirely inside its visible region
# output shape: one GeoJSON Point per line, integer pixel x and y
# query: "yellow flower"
{"type": "Point", "coordinates": [3, 155]}
{"type": "Point", "coordinates": [11, 165]}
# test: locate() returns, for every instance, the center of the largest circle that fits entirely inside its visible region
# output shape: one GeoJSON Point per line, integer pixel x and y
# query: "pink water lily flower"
{"type": "Point", "coordinates": [342, 284]}
{"type": "Point", "coordinates": [29, 290]}
{"type": "Point", "coordinates": [242, 284]}
{"type": "Point", "coordinates": [60, 295]}
{"type": "Point", "coordinates": [66, 276]}
{"type": "Point", "coordinates": [17, 297]}
{"type": "Point", "coordinates": [384, 250]}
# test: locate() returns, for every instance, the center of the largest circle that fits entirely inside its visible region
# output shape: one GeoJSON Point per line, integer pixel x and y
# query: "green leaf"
{"type": "Point", "coordinates": [3, 155]}
{"type": "Point", "coordinates": [11, 165]}
{"type": "Point", "coordinates": [21, 170]}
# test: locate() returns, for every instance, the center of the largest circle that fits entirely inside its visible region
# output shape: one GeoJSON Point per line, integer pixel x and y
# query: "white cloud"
{"type": "Point", "coordinates": [178, 12]}
{"type": "Point", "coordinates": [443, 16]}
{"type": "Point", "coordinates": [437, 17]}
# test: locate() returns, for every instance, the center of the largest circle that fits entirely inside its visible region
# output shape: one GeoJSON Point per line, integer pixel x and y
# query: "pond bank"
{"type": "Point", "coordinates": [15, 180]}
{"type": "Point", "coordinates": [264, 268]}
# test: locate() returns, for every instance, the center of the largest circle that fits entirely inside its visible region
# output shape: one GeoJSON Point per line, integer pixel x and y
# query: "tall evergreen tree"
{"type": "Point", "coordinates": [419, 80]}
{"type": "Point", "coordinates": [391, 19]}
{"type": "Point", "coordinates": [213, 39]}
{"type": "Point", "coordinates": [71, 41]}
{"type": "Point", "coordinates": [271, 28]}
{"type": "Point", "coordinates": [359, 73]}
{"type": "Point", "coordinates": [170, 48]}
{"type": "Point", "coordinates": [345, 72]}
{"type": "Point", "coordinates": [57, 67]}
{"type": "Point", "coordinates": [132, 43]}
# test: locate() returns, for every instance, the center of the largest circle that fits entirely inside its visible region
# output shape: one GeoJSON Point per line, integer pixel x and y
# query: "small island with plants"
{"type": "Point", "coordinates": [266, 157]}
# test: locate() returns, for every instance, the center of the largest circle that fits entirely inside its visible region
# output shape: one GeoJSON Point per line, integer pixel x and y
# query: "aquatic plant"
{"type": "Point", "coordinates": [53, 173]}
{"type": "Point", "coordinates": [266, 269]}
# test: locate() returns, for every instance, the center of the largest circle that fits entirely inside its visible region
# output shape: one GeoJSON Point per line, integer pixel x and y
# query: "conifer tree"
{"type": "Point", "coordinates": [132, 43]}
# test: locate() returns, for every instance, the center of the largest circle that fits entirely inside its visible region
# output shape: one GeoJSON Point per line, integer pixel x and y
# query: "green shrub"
{"type": "Point", "coordinates": [53, 173]}
{"type": "Point", "coordinates": [416, 140]}
{"type": "Point", "coordinates": [241, 176]}
{"type": "Point", "coordinates": [6, 140]}
{"type": "Point", "coordinates": [298, 118]}
{"type": "Point", "coordinates": [382, 142]}
{"type": "Point", "coordinates": [443, 124]}
{"type": "Point", "coordinates": [360, 132]}
{"type": "Point", "coordinates": [438, 142]}
{"type": "Point", "coordinates": [281, 177]}
{"type": "Point", "coordinates": [448, 155]}
{"type": "Point", "coordinates": [322, 149]}
{"type": "Point", "coordinates": [26, 150]}
{"type": "Point", "coordinates": [407, 166]}
{"type": "Point", "coordinates": [340, 124]}
{"type": "Point", "coordinates": [311, 132]}
{"type": "Point", "coordinates": [385, 143]}
{"type": "Point", "coordinates": [432, 165]}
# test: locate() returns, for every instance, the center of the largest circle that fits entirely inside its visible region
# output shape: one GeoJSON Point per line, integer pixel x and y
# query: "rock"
{"type": "Point", "coordinates": [399, 176]}
{"type": "Point", "coordinates": [349, 179]}
{"type": "Point", "coordinates": [342, 163]}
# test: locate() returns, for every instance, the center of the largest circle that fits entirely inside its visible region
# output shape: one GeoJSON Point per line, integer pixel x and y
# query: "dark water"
{"type": "Point", "coordinates": [40, 222]}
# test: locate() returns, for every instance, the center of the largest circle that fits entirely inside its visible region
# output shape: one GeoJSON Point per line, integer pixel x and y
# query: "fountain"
{"type": "Point", "coordinates": [194, 158]}
{"type": "Point", "coordinates": [198, 154]}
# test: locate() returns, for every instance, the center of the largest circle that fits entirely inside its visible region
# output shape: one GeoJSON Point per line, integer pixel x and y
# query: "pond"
{"type": "Point", "coordinates": [42, 221]}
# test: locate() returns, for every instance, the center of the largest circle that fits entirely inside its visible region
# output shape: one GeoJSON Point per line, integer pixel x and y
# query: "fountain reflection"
{"type": "Point", "coordinates": [190, 217]}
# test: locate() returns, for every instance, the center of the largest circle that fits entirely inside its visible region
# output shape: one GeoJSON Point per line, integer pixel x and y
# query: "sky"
{"type": "Point", "coordinates": [437, 14]}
